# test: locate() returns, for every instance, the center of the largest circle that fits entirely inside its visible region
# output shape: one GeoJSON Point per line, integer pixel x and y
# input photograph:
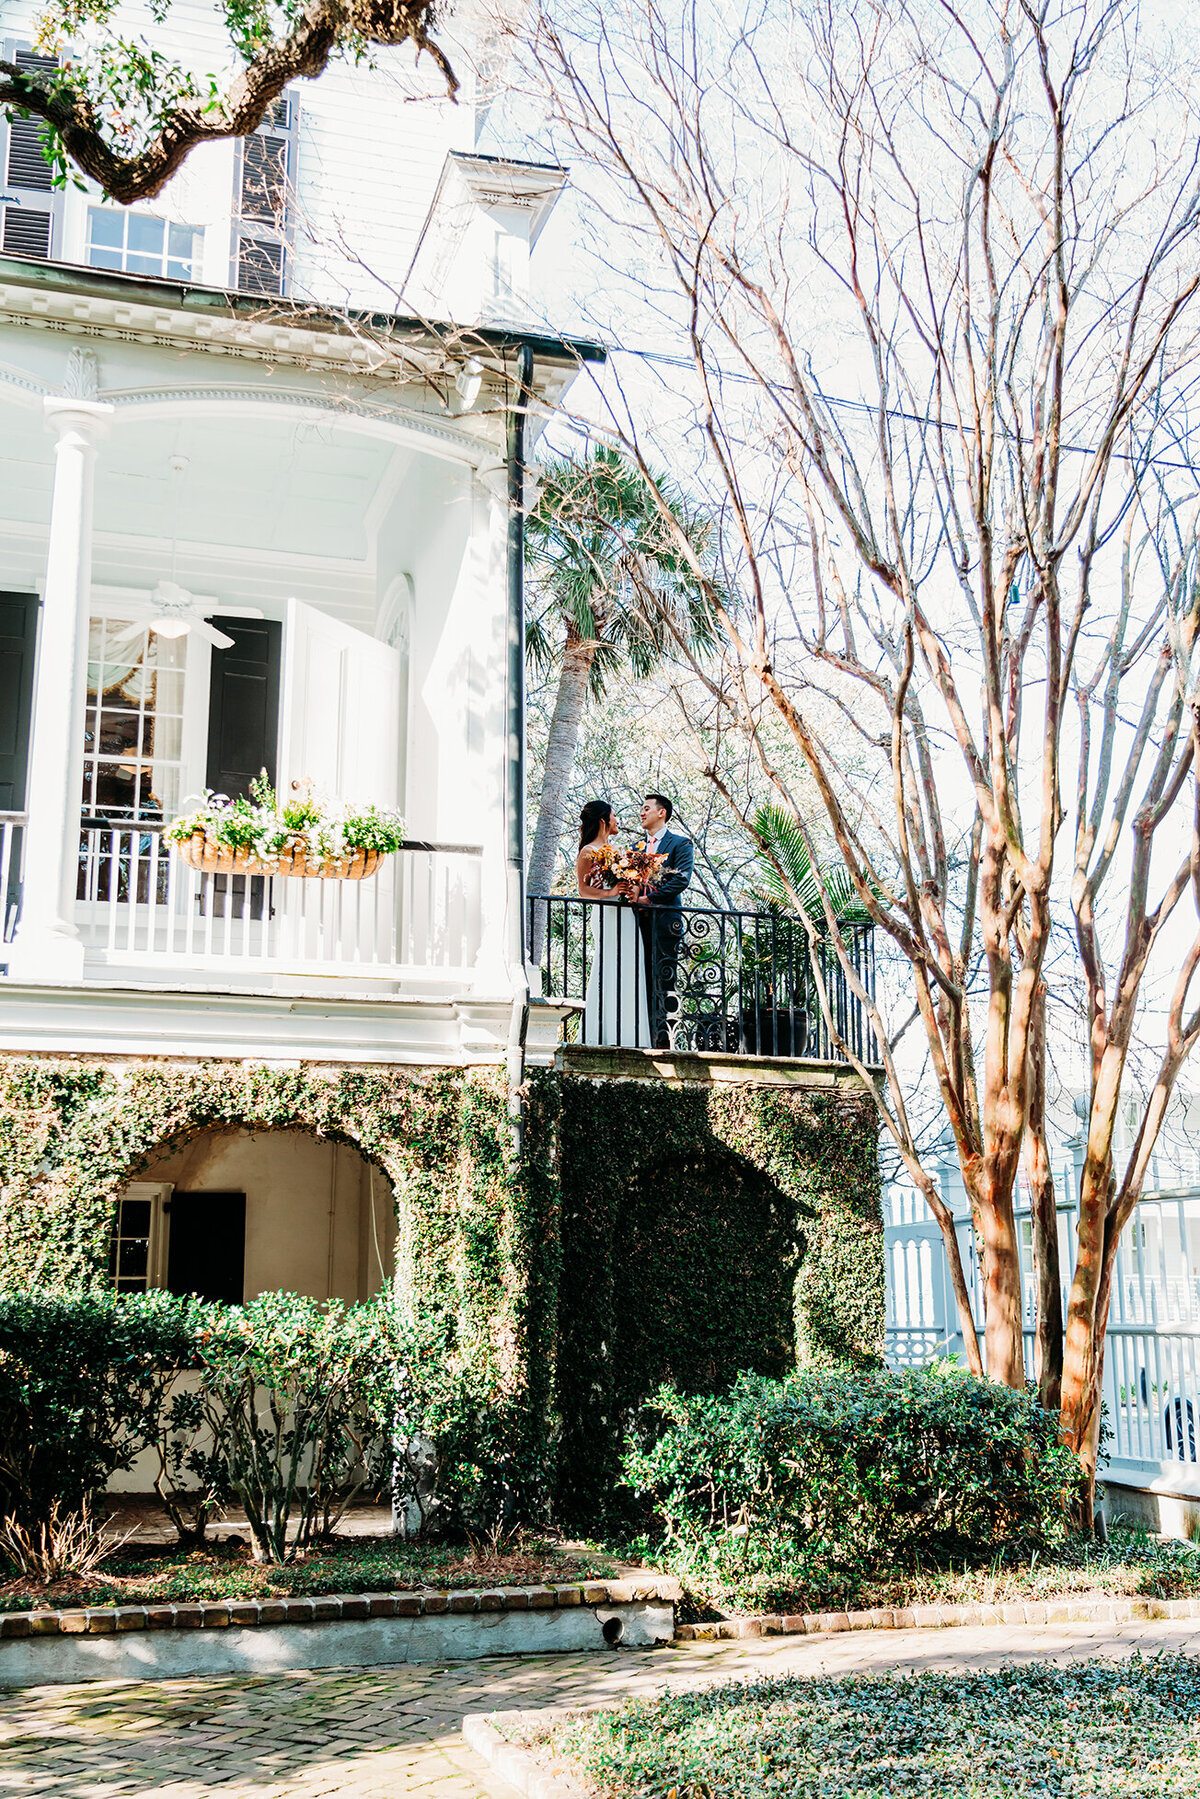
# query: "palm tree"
{"type": "Point", "coordinates": [607, 568]}
{"type": "Point", "coordinates": [782, 847]}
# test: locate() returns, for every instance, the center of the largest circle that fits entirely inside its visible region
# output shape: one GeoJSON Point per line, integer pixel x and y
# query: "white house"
{"type": "Point", "coordinates": [253, 516]}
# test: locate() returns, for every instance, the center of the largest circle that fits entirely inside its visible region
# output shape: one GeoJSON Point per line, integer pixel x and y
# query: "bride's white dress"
{"type": "Point", "coordinates": [615, 1009]}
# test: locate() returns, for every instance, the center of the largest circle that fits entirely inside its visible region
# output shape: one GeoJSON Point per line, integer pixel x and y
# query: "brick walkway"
{"type": "Point", "coordinates": [396, 1732]}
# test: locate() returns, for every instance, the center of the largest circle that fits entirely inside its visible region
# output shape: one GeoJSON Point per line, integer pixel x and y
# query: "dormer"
{"type": "Point", "coordinates": [471, 263]}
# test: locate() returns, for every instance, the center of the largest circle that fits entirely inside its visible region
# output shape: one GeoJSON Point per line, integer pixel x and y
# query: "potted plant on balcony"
{"type": "Point", "coordinates": [311, 836]}
{"type": "Point", "coordinates": [777, 998]}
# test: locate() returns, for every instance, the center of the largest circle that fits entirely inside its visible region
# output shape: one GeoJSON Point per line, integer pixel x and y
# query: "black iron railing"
{"type": "Point", "coordinates": [694, 978]}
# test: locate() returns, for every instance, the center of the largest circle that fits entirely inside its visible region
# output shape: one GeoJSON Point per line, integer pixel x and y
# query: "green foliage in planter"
{"type": "Point", "coordinates": [82, 1386]}
{"type": "Point", "coordinates": [852, 1472]}
{"type": "Point", "coordinates": [705, 1230]}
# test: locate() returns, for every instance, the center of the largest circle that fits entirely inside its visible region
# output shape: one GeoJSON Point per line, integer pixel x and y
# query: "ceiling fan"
{"type": "Point", "coordinates": [171, 611]}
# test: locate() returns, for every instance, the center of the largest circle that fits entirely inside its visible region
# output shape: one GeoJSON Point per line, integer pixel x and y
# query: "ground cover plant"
{"type": "Point", "coordinates": [1101, 1729]}
{"type": "Point", "coordinates": [224, 1570]}
{"type": "Point", "coordinates": [1131, 1565]}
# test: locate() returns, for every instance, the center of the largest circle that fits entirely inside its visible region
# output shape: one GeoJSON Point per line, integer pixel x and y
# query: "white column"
{"type": "Point", "coordinates": [47, 946]}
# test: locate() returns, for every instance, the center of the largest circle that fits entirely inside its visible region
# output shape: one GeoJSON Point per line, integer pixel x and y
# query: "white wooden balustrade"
{"type": "Point", "coordinates": [139, 905]}
{"type": "Point", "coordinates": [1152, 1355]}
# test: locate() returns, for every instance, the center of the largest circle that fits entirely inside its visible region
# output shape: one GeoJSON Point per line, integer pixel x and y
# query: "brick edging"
{"type": "Point", "coordinates": [519, 1767]}
{"type": "Point", "coordinates": [107, 1620]}
{"type": "Point", "coordinates": [941, 1617]}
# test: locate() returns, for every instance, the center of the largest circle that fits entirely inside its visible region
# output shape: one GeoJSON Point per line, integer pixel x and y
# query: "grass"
{"type": "Point", "coordinates": [1090, 1730]}
{"type": "Point", "coordinates": [147, 1576]}
{"type": "Point", "coordinates": [1131, 1564]}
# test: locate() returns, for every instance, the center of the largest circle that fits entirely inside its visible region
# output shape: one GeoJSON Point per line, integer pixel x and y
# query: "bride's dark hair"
{"type": "Point", "coordinates": [593, 815]}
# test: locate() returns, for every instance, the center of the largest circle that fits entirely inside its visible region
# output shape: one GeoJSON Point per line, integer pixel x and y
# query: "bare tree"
{"type": "Point", "coordinates": [122, 112]}
{"type": "Point", "coordinates": [936, 264]}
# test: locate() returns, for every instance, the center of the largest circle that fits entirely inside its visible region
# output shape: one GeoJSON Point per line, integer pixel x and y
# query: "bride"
{"type": "Point", "coordinates": [615, 1006]}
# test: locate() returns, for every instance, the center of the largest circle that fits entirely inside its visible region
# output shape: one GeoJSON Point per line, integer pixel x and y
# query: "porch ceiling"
{"type": "Point", "coordinates": [259, 481]}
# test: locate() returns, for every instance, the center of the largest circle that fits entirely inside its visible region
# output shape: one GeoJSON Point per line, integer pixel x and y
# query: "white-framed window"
{"type": "Point", "coordinates": [139, 244]}
{"type": "Point", "coordinates": [137, 1256]}
{"type": "Point", "coordinates": [133, 732]}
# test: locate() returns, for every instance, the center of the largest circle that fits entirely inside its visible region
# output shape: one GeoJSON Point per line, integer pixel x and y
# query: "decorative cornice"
{"type": "Point", "coordinates": [473, 446]}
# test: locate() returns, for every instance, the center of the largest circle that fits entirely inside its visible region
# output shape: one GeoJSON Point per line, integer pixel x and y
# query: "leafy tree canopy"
{"type": "Point", "coordinates": [121, 111]}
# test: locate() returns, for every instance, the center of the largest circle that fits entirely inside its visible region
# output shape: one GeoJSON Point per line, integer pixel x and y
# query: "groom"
{"type": "Point", "coordinates": [660, 913]}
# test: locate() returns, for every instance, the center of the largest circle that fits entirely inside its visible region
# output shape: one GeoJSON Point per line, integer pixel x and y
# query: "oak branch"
{"type": "Point", "coordinates": [90, 133]}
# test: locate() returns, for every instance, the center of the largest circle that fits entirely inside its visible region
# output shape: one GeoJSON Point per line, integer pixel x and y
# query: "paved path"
{"type": "Point", "coordinates": [395, 1732]}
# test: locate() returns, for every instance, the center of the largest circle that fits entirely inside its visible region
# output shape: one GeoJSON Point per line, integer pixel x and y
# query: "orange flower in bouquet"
{"type": "Point", "coordinates": [606, 863]}
{"type": "Point", "coordinates": [641, 865]}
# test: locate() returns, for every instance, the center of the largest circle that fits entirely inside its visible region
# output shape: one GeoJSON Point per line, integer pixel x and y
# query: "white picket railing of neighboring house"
{"type": "Point", "coordinates": [139, 906]}
{"type": "Point", "coordinates": [1152, 1355]}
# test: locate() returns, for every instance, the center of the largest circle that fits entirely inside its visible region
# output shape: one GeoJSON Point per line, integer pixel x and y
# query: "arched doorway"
{"type": "Point", "coordinates": [236, 1212]}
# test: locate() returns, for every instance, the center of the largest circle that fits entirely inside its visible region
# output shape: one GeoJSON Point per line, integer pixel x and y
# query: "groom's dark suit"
{"type": "Point", "coordinates": [662, 931]}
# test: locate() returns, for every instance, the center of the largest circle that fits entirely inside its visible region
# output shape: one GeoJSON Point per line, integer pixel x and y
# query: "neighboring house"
{"type": "Point", "coordinates": [182, 427]}
{"type": "Point", "coordinates": [1152, 1347]}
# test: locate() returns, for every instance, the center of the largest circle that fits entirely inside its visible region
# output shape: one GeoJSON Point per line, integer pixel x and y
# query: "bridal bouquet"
{"type": "Point", "coordinates": [642, 865]}
{"type": "Point", "coordinates": [639, 866]}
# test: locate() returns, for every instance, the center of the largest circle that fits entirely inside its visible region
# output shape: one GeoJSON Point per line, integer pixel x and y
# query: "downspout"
{"type": "Point", "coordinates": [518, 1028]}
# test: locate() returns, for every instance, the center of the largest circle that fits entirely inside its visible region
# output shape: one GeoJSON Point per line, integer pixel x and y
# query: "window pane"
{"type": "Point", "coordinates": [135, 1217]}
{"type": "Point", "coordinates": [105, 259]}
{"type": "Point", "coordinates": [145, 236]}
{"type": "Point", "coordinates": [143, 265]}
{"type": "Point", "coordinates": [115, 786]}
{"type": "Point", "coordinates": [106, 229]}
{"type": "Point", "coordinates": [118, 731]}
{"type": "Point", "coordinates": [134, 1257]}
{"type": "Point", "coordinates": [182, 242]}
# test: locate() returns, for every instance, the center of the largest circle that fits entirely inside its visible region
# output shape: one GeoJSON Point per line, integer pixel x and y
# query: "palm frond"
{"type": "Point", "coordinates": [785, 849]}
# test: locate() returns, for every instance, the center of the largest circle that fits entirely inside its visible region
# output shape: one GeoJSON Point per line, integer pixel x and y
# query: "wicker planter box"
{"type": "Point", "coordinates": [212, 858]}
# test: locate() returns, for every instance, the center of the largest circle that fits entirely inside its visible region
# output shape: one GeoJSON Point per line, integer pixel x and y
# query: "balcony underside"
{"type": "Point", "coordinates": [130, 1020]}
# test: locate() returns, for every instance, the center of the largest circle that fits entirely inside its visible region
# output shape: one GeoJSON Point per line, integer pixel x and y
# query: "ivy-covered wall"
{"type": "Point", "coordinates": [654, 1231]}
{"type": "Point", "coordinates": [705, 1230]}
{"type": "Point", "coordinates": [477, 1244]}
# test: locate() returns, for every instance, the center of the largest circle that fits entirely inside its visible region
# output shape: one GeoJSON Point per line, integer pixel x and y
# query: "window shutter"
{"type": "Point", "coordinates": [30, 207]}
{"type": "Point", "coordinates": [260, 266]}
{"type": "Point", "coordinates": [243, 707]}
{"type": "Point", "coordinates": [341, 708]}
{"type": "Point", "coordinates": [206, 1246]}
{"type": "Point", "coordinates": [265, 172]}
{"type": "Point", "coordinates": [18, 638]}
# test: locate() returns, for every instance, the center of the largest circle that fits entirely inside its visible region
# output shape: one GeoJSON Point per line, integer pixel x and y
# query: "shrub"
{"type": "Point", "coordinates": [291, 1407]}
{"type": "Point", "coordinates": [303, 1400]}
{"type": "Point", "coordinates": [848, 1471]}
{"type": "Point", "coordinates": [81, 1390]}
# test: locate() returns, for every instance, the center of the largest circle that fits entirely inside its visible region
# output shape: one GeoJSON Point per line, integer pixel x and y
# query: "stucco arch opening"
{"type": "Point", "coordinates": [280, 1209]}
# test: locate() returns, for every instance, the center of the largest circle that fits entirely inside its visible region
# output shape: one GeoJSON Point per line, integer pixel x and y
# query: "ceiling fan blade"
{"type": "Point", "coordinates": [120, 639]}
{"type": "Point", "coordinates": [210, 633]}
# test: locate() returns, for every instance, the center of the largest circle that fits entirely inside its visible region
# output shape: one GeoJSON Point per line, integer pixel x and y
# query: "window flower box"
{"type": "Point", "coordinates": [211, 857]}
{"type": "Point", "coordinates": [311, 837]}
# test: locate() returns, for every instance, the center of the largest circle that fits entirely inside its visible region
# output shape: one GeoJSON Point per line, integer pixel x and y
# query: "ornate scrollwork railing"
{"type": "Point", "coordinates": [733, 983]}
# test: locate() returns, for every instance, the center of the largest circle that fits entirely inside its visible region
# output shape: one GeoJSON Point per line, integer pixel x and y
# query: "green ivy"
{"type": "Point", "coordinates": [706, 1230]}
{"type": "Point", "coordinates": [477, 1250]}
{"type": "Point", "coordinates": [653, 1232]}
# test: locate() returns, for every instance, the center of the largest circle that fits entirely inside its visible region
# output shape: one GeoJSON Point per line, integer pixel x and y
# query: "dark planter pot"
{"type": "Point", "coordinates": [775, 1031]}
